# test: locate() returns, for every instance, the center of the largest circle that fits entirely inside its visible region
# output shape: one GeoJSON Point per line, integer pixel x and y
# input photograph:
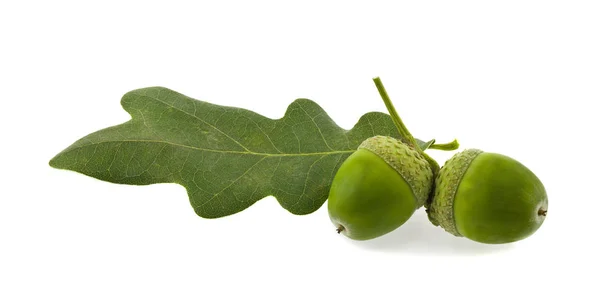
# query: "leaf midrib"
{"type": "Point", "coordinates": [222, 151]}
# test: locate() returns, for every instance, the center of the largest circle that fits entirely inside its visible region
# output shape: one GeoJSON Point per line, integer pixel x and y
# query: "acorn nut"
{"type": "Point", "coordinates": [488, 198]}
{"type": "Point", "coordinates": [378, 187]}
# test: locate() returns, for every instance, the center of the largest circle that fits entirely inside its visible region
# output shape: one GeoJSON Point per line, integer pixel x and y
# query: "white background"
{"type": "Point", "coordinates": [516, 77]}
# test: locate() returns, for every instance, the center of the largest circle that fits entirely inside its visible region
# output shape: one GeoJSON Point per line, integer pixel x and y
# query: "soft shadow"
{"type": "Point", "coordinates": [419, 236]}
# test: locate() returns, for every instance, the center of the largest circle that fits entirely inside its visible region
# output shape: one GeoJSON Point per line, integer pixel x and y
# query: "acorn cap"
{"type": "Point", "coordinates": [408, 162]}
{"type": "Point", "coordinates": [440, 210]}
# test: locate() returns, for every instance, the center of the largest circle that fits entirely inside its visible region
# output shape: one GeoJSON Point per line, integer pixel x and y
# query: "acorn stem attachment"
{"type": "Point", "coordinates": [445, 146]}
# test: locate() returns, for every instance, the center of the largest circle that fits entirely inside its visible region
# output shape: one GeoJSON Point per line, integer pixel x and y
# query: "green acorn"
{"type": "Point", "coordinates": [378, 188]}
{"type": "Point", "coordinates": [488, 198]}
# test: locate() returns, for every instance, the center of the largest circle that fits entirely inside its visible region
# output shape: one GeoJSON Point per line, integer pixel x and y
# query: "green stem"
{"type": "Point", "coordinates": [446, 146]}
{"type": "Point", "coordinates": [404, 133]}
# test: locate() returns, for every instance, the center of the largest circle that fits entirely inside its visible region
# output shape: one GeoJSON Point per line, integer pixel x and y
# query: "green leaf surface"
{"type": "Point", "coordinates": [227, 158]}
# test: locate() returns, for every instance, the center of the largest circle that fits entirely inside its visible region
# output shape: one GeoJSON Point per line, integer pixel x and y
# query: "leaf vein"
{"type": "Point", "coordinates": [306, 179]}
{"type": "Point", "coordinates": [317, 126]}
{"type": "Point", "coordinates": [203, 121]}
{"type": "Point", "coordinates": [234, 181]}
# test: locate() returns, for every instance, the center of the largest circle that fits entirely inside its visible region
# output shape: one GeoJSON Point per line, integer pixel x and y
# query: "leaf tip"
{"type": "Point", "coordinates": [54, 162]}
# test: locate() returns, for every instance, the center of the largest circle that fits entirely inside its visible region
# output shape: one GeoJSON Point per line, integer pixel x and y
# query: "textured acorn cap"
{"type": "Point", "coordinates": [408, 162]}
{"type": "Point", "coordinates": [440, 210]}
